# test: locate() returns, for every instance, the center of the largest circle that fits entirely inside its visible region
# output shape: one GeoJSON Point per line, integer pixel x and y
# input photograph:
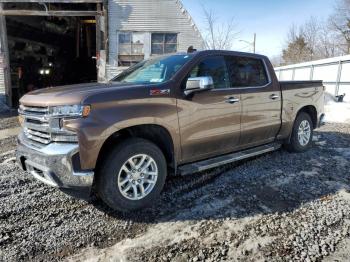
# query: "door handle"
{"type": "Point", "coordinates": [232, 100]}
{"type": "Point", "coordinates": [274, 97]}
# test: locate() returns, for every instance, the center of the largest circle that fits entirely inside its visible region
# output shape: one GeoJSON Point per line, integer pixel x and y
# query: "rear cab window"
{"type": "Point", "coordinates": [246, 72]}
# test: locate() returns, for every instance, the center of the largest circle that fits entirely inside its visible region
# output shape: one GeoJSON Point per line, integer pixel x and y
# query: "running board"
{"type": "Point", "coordinates": [226, 159]}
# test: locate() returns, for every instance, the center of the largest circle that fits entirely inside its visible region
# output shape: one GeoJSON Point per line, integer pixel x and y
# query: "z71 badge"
{"type": "Point", "coordinates": [159, 92]}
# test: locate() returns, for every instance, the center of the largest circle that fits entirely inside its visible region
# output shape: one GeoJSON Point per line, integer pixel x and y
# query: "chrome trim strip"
{"type": "Point", "coordinates": [37, 133]}
{"type": "Point", "coordinates": [37, 139]}
{"type": "Point", "coordinates": [42, 118]}
{"type": "Point", "coordinates": [43, 128]}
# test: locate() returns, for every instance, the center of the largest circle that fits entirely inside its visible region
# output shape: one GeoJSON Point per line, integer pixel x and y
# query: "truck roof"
{"type": "Point", "coordinates": [227, 52]}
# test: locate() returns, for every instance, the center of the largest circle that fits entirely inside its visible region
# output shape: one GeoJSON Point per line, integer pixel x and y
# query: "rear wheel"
{"type": "Point", "coordinates": [132, 176]}
{"type": "Point", "coordinates": [301, 138]}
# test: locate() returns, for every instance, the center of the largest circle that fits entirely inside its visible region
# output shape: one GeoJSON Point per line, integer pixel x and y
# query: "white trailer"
{"type": "Point", "coordinates": [335, 73]}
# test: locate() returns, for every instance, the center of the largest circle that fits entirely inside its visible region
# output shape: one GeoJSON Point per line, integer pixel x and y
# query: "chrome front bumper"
{"type": "Point", "coordinates": [56, 164]}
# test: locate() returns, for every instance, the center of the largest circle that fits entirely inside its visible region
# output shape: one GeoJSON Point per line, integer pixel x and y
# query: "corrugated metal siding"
{"type": "Point", "coordinates": [150, 16]}
{"type": "Point", "coordinates": [334, 72]}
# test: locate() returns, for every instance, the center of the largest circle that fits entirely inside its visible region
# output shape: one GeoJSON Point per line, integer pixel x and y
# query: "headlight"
{"type": "Point", "coordinates": [70, 111]}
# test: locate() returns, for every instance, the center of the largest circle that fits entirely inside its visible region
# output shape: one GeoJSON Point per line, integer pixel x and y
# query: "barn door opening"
{"type": "Point", "coordinates": [50, 51]}
{"type": "Point", "coordinates": [51, 45]}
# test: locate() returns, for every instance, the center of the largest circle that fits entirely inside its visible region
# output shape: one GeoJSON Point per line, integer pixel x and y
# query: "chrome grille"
{"type": "Point", "coordinates": [36, 123]}
{"type": "Point", "coordinates": [34, 110]}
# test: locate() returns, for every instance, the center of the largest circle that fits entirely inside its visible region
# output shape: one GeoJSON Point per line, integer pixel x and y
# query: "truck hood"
{"type": "Point", "coordinates": [65, 95]}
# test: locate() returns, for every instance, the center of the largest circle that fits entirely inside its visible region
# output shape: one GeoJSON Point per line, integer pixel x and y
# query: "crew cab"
{"type": "Point", "coordinates": [175, 114]}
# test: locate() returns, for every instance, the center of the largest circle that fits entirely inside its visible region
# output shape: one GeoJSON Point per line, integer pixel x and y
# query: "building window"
{"type": "Point", "coordinates": [164, 43]}
{"type": "Point", "coordinates": [130, 48]}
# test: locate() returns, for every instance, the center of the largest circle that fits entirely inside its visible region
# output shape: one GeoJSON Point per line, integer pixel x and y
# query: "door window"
{"type": "Point", "coordinates": [214, 66]}
{"type": "Point", "coordinates": [246, 72]}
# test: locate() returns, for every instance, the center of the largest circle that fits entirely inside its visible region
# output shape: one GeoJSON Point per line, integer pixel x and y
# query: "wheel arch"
{"type": "Point", "coordinates": [154, 133]}
{"type": "Point", "coordinates": [311, 111]}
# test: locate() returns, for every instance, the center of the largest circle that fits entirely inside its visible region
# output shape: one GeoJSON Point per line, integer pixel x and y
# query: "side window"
{"type": "Point", "coordinates": [215, 67]}
{"type": "Point", "coordinates": [245, 72]}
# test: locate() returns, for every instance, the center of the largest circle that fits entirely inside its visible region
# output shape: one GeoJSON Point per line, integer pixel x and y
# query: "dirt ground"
{"type": "Point", "coordinates": [277, 207]}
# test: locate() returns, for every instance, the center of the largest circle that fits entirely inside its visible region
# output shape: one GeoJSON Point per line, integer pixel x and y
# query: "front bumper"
{"type": "Point", "coordinates": [56, 164]}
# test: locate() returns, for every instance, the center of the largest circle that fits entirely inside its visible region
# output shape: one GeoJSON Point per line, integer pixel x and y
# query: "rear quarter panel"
{"type": "Point", "coordinates": [297, 95]}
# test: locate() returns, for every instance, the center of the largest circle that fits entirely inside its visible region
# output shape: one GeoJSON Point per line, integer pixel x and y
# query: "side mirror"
{"type": "Point", "coordinates": [196, 84]}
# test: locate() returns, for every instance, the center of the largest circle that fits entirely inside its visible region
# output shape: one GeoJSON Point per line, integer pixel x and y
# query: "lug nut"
{"type": "Point", "coordinates": [133, 181]}
{"type": "Point", "coordinates": [139, 180]}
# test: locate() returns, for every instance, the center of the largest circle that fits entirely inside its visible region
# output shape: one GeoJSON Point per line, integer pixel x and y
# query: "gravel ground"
{"type": "Point", "coordinates": [278, 207]}
{"type": "Point", "coordinates": [8, 119]}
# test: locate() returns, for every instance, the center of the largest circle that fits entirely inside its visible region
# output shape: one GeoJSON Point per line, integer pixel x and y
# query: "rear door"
{"type": "Point", "coordinates": [260, 99]}
{"type": "Point", "coordinates": [210, 120]}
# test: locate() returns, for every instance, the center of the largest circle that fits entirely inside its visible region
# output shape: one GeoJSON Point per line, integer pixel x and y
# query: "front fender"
{"type": "Point", "coordinates": [108, 118]}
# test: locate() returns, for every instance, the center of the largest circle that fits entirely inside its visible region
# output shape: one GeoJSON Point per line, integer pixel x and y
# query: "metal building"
{"type": "Point", "coordinates": [56, 42]}
{"type": "Point", "coordinates": [139, 29]}
{"type": "Point", "coordinates": [335, 73]}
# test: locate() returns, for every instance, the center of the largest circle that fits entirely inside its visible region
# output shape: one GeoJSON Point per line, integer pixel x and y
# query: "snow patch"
{"type": "Point", "coordinates": [336, 112]}
{"type": "Point", "coordinates": [162, 234]}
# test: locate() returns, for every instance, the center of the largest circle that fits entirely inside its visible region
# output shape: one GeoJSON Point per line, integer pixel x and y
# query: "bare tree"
{"type": "Point", "coordinates": [311, 32]}
{"type": "Point", "coordinates": [317, 39]}
{"type": "Point", "coordinates": [297, 49]}
{"type": "Point", "coordinates": [327, 43]}
{"type": "Point", "coordinates": [218, 34]}
{"type": "Point", "coordinates": [341, 23]}
{"type": "Point", "coordinates": [292, 34]}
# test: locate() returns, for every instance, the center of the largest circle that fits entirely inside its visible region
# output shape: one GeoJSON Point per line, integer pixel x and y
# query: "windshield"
{"type": "Point", "coordinates": [155, 70]}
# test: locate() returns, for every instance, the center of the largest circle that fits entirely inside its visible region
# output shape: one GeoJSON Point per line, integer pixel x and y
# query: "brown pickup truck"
{"type": "Point", "coordinates": [176, 114]}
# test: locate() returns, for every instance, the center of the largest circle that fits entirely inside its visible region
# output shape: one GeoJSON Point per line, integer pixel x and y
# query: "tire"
{"type": "Point", "coordinates": [117, 175]}
{"type": "Point", "coordinates": [298, 144]}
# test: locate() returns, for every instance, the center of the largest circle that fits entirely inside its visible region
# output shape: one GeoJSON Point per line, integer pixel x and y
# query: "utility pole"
{"type": "Point", "coordinates": [253, 44]}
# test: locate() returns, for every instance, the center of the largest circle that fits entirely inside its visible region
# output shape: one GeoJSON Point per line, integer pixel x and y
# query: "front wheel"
{"type": "Point", "coordinates": [132, 176]}
{"type": "Point", "coordinates": [301, 138]}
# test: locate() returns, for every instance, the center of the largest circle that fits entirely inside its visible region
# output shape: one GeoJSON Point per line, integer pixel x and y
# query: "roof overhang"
{"type": "Point", "coordinates": [52, 1]}
{"type": "Point", "coordinates": [11, 12]}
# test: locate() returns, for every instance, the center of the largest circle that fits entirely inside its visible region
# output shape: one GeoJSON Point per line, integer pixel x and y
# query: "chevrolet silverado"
{"type": "Point", "coordinates": [173, 114]}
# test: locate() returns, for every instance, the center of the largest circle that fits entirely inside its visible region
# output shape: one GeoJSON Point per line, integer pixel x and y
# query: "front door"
{"type": "Point", "coordinates": [210, 120]}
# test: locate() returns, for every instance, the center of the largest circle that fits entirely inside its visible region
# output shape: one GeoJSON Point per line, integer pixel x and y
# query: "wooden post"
{"type": "Point", "coordinates": [100, 52]}
{"type": "Point", "coordinates": [106, 33]}
{"type": "Point", "coordinates": [5, 51]}
{"type": "Point", "coordinates": [98, 30]}
{"type": "Point", "coordinates": [88, 39]}
{"type": "Point", "coordinates": [77, 43]}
